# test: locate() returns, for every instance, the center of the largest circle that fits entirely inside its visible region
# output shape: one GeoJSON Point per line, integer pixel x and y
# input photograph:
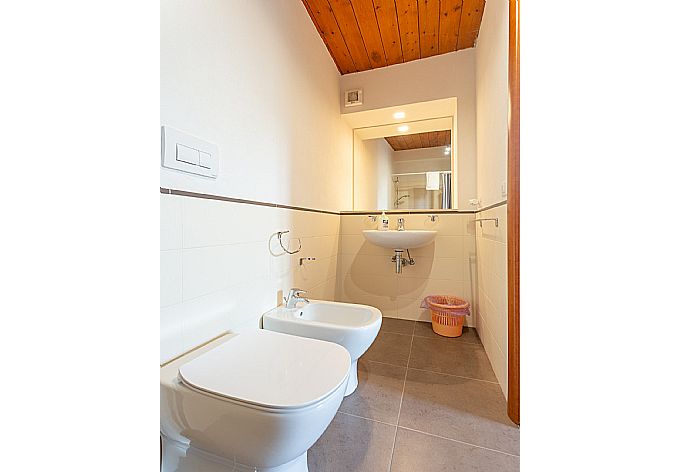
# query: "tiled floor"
{"type": "Point", "coordinates": [424, 402]}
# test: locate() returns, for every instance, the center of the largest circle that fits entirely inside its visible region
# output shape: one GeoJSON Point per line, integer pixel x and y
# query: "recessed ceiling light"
{"type": "Point", "coordinates": [403, 128]}
{"type": "Point", "coordinates": [399, 115]}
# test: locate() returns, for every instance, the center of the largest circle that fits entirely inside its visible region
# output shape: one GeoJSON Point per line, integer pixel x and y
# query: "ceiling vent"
{"type": "Point", "coordinates": [353, 98]}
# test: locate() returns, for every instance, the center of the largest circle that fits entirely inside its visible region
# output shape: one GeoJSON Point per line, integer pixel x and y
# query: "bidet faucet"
{"type": "Point", "coordinates": [401, 224]}
{"type": "Point", "coordinates": [295, 296]}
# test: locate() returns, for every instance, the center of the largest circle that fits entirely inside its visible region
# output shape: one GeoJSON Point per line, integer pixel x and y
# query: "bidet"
{"type": "Point", "coordinates": [352, 326]}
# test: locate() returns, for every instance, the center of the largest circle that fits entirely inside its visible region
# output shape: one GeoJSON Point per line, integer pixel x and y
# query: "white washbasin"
{"type": "Point", "coordinates": [391, 239]}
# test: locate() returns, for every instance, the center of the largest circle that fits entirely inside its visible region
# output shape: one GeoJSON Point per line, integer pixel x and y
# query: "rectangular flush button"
{"type": "Point", "coordinates": [204, 159]}
{"type": "Point", "coordinates": [187, 154]}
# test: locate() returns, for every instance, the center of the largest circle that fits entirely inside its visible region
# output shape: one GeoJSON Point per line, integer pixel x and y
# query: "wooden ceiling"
{"type": "Point", "coordinates": [419, 140]}
{"type": "Point", "coordinates": [367, 34]}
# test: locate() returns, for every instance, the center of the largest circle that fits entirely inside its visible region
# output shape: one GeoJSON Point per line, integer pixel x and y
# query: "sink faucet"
{"type": "Point", "coordinates": [401, 224]}
{"type": "Point", "coordinates": [295, 296]}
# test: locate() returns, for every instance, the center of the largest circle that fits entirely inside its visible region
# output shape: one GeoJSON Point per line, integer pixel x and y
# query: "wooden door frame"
{"type": "Point", "coordinates": [514, 212]}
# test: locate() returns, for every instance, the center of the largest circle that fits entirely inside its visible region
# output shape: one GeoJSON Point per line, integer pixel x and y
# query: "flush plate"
{"type": "Point", "coordinates": [184, 152]}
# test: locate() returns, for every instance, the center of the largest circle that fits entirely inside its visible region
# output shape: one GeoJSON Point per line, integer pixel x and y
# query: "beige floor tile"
{"type": "Point", "coordinates": [390, 348]}
{"type": "Point", "coordinates": [424, 330]}
{"type": "Point", "coordinates": [466, 410]}
{"type": "Point", "coordinates": [451, 356]}
{"type": "Point", "coordinates": [378, 394]}
{"type": "Point", "coordinates": [394, 325]}
{"type": "Point", "coordinates": [352, 444]}
{"type": "Point", "coordinates": [419, 452]}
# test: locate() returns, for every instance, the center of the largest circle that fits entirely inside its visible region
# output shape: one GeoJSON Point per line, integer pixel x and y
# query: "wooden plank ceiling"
{"type": "Point", "coordinates": [419, 140]}
{"type": "Point", "coordinates": [367, 34]}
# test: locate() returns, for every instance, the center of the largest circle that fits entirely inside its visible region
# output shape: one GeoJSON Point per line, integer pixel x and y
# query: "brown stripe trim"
{"type": "Point", "coordinates": [184, 193]}
{"type": "Point", "coordinates": [407, 212]}
{"type": "Point", "coordinates": [490, 207]}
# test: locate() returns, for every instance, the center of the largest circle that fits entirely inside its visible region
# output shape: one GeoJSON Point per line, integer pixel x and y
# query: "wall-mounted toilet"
{"type": "Point", "coordinates": [255, 401]}
{"type": "Point", "coordinates": [352, 326]}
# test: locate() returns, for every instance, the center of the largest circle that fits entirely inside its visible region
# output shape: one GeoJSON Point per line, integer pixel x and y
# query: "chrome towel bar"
{"type": "Point", "coordinates": [495, 220]}
{"type": "Point", "coordinates": [282, 246]}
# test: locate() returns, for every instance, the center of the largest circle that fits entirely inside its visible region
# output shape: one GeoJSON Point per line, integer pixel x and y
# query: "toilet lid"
{"type": "Point", "coordinates": [269, 369]}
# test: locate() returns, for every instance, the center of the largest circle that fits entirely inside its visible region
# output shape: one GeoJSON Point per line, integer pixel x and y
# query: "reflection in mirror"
{"type": "Point", "coordinates": [403, 170]}
{"type": "Point", "coordinates": [421, 170]}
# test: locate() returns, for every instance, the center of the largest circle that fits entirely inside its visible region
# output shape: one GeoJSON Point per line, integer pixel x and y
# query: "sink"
{"type": "Point", "coordinates": [408, 239]}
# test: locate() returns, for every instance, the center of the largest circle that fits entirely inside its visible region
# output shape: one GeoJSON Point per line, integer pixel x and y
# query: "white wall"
{"type": "Point", "coordinates": [443, 76]}
{"type": "Point", "coordinates": [384, 171]}
{"type": "Point", "coordinates": [492, 159]}
{"type": "Point", "coordinates": [492, 102]}
{"type": "Point", "coordinates": [254, 77]}
{"type": "Point", "coordinates": [372, 170]}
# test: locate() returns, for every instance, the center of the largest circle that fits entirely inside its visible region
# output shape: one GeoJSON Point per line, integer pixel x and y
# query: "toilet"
{"type": "Point", "coordinates": [352, 326]}
{"type": "Point", "coordinates": [255, 401]}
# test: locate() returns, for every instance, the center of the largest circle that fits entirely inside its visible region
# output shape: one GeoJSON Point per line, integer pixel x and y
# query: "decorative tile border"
{"type": "Point", "coordinates": [490, 207]}
{"type": "Point", "coordinates": [184, 193]}
{"type": "Point", "coordinates": [407, 212]}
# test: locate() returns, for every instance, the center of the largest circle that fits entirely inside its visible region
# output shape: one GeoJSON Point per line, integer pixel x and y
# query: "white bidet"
{"type": "Point", "coordinates": [352, 326]}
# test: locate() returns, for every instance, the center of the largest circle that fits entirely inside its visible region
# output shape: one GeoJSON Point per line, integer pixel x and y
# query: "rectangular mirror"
{"type": "Point", "coordinates": [404, 166]}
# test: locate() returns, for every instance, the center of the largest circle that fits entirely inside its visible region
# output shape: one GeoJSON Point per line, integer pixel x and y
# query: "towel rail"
{"type": "Point", "coordinates": [282, 246]}
{"type": "Point", "coordinates": [495, 220]}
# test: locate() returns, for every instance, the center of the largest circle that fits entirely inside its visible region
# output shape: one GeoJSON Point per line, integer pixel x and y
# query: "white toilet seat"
{"type": "Point", "coordinates": [351, 325]}
{"type": "Point", "coordinates": [254, 401]}
{"type": "Point", "coordinates": [280, 375]}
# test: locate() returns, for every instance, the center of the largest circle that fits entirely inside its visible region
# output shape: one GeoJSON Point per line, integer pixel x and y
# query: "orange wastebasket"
{"type": "Point", "coordinates": [447, 314]}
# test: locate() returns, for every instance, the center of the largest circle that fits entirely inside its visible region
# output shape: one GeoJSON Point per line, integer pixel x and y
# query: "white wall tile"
{"type": "Point", "coordinates": [449, 224]}
{"type": "Point", "coordinates": [212, 268]}
{"type": "Point", "coordinates": [324, 291]}
{"type": "Point", "coordinates": [212, 222]}
{"type": "Point", "coordinates": [354, 224]}
{"type": "Point", "coordinates": [409, 309]}
{"type": "Point", "coordinates": [362, 265]}
{"type": "Point", "coordinates": [231, 269]}
{"type": "Point", "coordinates": [170, 277]}
{"type": "Point", "coordinates": [314, 273]}
{"type": "Point", "coordinates": [355, 244]}
{"type": "Point", "coordinates": [356, 287]}
{"type": "Point", "coordinates": [171, 332]}
{"type": "Point", "coordinates": [442, 246]}
{"type": "Point", "coordinates": [410, 287]}
{"type": "Point", "coordinates": [171, 222]}
{"type": "Point", "coordinates": [448, 266]}
{"type": "Point", "coordinates": [434, 268]}
{"type": "Point", "coordinates": [499, 362]}
{"type": "Point", "coordinates": [492, 290]}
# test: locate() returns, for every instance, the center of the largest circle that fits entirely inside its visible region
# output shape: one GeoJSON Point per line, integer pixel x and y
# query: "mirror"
{"type": "Point", "coordinates": [404, 166]}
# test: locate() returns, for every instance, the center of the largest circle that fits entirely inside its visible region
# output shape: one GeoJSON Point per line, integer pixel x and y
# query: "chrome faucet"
{"type": "Point", "coordinates": [295, 296]}
{"type": "Point", "coordinates": [401, 224]}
